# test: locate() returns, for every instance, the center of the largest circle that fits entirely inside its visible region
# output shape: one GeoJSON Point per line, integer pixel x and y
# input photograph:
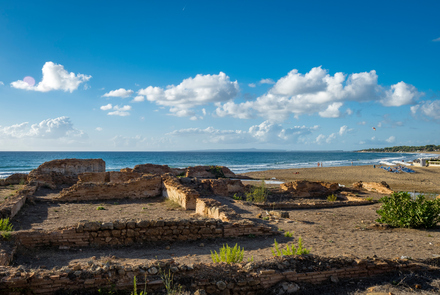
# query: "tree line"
{"type": "Point", "coordinates": [405, 149]}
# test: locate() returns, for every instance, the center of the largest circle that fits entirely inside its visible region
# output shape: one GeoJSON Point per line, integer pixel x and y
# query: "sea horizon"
{"type": "Point", "coordinates": [241, 161]}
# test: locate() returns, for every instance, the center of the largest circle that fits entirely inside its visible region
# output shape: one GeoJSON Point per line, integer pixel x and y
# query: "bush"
{"type": "Point", "coordinates": [400, 210]}
{"type": "Point", "coordinates": [5, 225]}
{"type": "Point", "coordinates": [228, 254]}
{"type": "Point", "coordinates": [290, 250]}
{"type": "Point", "coordinates": [332, 198]}
{"type": "Point", "coordinates": [258, 194]}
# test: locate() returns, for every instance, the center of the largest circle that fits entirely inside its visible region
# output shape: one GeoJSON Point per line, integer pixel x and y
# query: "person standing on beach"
{"type": "Point", "coordinates": [318, 164]}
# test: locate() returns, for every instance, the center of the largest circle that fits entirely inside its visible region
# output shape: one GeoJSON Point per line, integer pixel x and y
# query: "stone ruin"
{"type": "Point", "coordinates": [84, 180]}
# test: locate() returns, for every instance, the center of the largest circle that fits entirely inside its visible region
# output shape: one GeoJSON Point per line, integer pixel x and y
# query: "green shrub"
{"type": "Point", "coordinates": [100, 208]}
{"type": "Point", "coordinates": [258, 194]}
{"type": "Point", "coordinates": [6, 235]}
{"type": "Point", "coordinates": [400, 210]}
{"type": "Point", "coordinates": [168, 281]}
{"type": "Point", "coordinates": [5, 225]}
{"type": "Point", "coordinates": [332, 198]}
{"type": "Point", "coordinates": [235, 197]}
{"type": "Point", "coordinates": [292, 250]}
{"type": "Point", "coordinates": [288, 234]}
{"type": "Point", "coordinates": [217, 171]}
{"type": "Point", "coordinates": [228, 254]}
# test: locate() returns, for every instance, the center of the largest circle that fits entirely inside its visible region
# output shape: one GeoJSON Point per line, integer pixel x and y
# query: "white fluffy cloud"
{"type": "Point", "coordinates": [106, 107]}
{"type": "Point", "coordinates": [55, 77]}
{"type": "Point", "coordinates": [267, 81]}
{"type": "Point", "coordinates": [318, 92]}
{"type": "Point", "coordinates": [121, 92]}
{"type": "Point", "coordinates": [391, 139]}
{"type": "Point", "coordinates": [265, 132]}
{"type": "Point", "coordinates": [400, 94]}
{"type": "Point", "coordinates": [252, 85]}
{"type": "Point", "coordinates": [117, 110]}
{"type": "Point", "coordinates": [1, 83]}
{"type": "Point", "coordinates": [192, 92]}
{"type": "Point", "coordinates": [427, 109]}
{"type": "Point", "coordinates": [47, 129]}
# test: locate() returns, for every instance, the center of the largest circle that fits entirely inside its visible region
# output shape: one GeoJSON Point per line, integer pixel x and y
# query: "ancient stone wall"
{"type": "Point", "coordinates": [214, 209]}
{"type": "Point", "coordinates": [123, 232]}
{"type": "Point", "coordinates": [241, 278]}
{"type": "Point", "coordinates": [223, 187]}
{"type": "Point", "coordinates": [157, 169]}
{"type": "Point", "coordinates": [13, 204]}
{"type": "Point", "coordinates": [142, 187]}
{"type": "Point", "coordinates": [15, 178]}
{"type": "Point", "coordinates": [58, 172]}
{"type": "Point", "coordinates": [182, 195]}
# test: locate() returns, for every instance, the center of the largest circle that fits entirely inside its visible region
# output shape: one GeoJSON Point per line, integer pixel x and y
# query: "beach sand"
{"type": "Point", "coordinates": [425, 180]}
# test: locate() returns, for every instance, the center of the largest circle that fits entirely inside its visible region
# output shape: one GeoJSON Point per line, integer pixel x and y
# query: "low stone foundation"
{"type": "Point", "coordinates": [184, 196]}
{"type": "Point", "coordinates": [223, 187]}
{"type": "Point", "coordinates": [240, 279]}
{"type": "Point", "coordinates": [13, 204]}
{"type": "Point", "coordinates": [120, 232]}
{"type": "Point", "coordinates": [214, 209]}
{"type": "Point", "coordinates": [142, 187]}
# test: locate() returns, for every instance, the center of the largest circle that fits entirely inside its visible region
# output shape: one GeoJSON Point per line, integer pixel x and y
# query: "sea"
{"type": "Point", "coordinates": [237, 161]}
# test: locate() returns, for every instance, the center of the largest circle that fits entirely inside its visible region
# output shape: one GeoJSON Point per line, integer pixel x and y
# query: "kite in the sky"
{"type": "Point", "coordinates": [374, 128]}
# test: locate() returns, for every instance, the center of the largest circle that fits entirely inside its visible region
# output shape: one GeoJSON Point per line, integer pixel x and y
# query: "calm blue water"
{"type": "Point", "coordinates": [238, 162]}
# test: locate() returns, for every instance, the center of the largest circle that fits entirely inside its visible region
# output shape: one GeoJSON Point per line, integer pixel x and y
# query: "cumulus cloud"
{"type": "Point", "coordinates": [252, 85]}
{"type": "Point", "coordinates": [267, 81]}
{"type": "Point", "coordinates": [400, 94]}
{"type": "Point", "coordinates": [55, 77]}
{"type": "Point", "coordinates": [343, 130]}
{"type": "Point", "coordinates": [138, 98]}
{"type": "Point", "coordinates": [436, 40]}
{"type": "Point", "coordinates": [427, 109]}
{"type": "Point", "coordinates": [121, 92]}
{"type": "Point", "coordinates": [391, 139]}
{"type": "Point", "coordinates": [98, 128]}
{"type": "Point", "coordinates": [107, 107]}
{"type": "Point", "coordinates": [192, 92]}
{"type": "Point", "coordinates": [318, 92]}
{"type": "Point", "coordinates": [117, 110]}
{"type": "Point", "coordinates": [60, 127]}
{"type": "Point", "coordinates": [120, 111]}
{"type": "Point", "coordinates": [265, 132]}
{"type": "Point", "coordinates": [1, 83]}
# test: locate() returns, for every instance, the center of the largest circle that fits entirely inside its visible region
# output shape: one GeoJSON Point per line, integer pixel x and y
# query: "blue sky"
{"type": "Point", "coordinates": [189, 75]}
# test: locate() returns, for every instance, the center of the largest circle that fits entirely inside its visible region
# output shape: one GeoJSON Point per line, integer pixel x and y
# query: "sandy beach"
{"type": "Point", "coordinates": [425, 180]}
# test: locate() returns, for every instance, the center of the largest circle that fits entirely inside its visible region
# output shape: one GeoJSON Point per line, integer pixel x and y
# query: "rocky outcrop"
{"type": "Point", "coordinates": [222, 187]}
{"type": "Point", "coordinates": [58, 172]}
{"type": "Point", "coordinates": [184, 196]}
{"type": "Point", "coordinates": [304, 188]}
{"type": "Point", "coordinates": [141, 187]}
{"type": "Point", "coordinates": [16, 178]}
{"type": "Point", "coordinates": [378, 187]}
